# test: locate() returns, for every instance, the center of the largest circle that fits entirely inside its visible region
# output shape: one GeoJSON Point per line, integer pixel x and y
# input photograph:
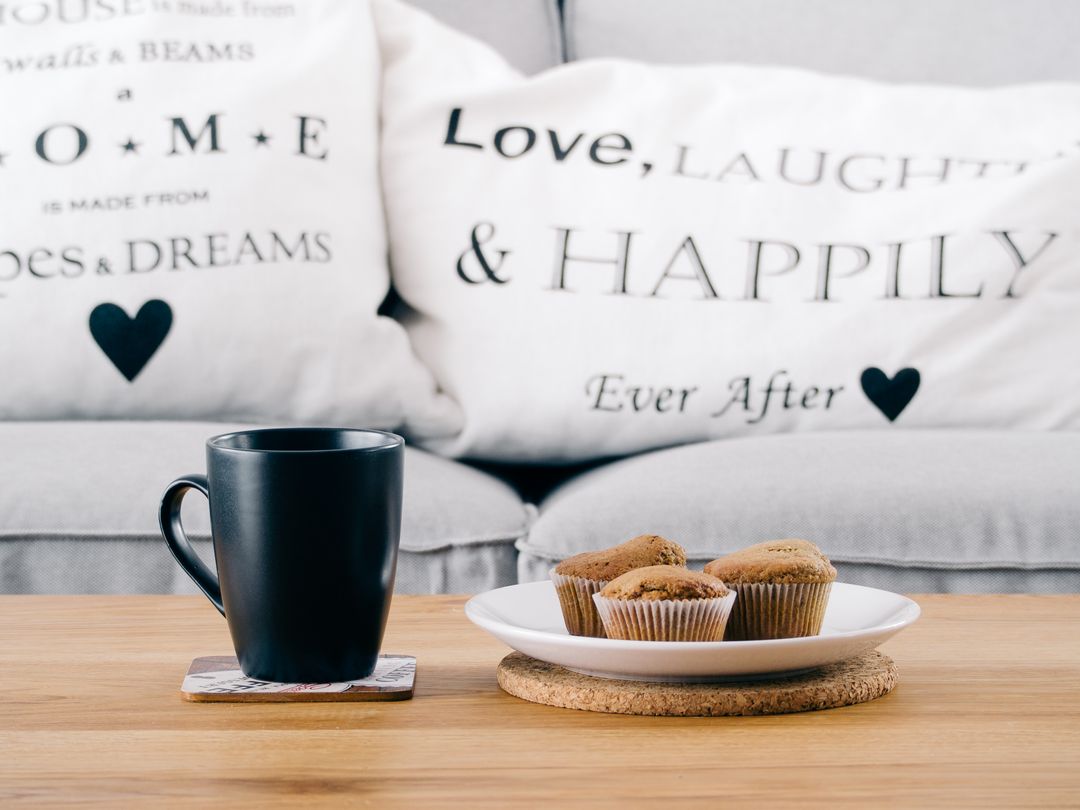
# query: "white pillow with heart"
{"type": "Point", "coordinates": [613, 256]}
{"type": "Point", "coordinates": [191, 221]}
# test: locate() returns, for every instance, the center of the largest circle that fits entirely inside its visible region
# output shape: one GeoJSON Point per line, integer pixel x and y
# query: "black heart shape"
{"type": "Point", "coordinates": [890, 396]}
{"type": "Point", "coordinates": [130, 342]}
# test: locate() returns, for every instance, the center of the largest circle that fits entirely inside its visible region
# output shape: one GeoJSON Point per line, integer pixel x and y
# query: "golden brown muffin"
{"type": "Point", "coordinates": [607, 564]}
{"type": "Point", "coordinates": [577, 578]}
{"type": "Point", "coordinates": [782, 589]}
{"type": "Point", "coordinates": [664, 582]}
{"type": "Point", "coordinates": [664, 603]}
{"type": "Point", "coordinates": [776, 561]}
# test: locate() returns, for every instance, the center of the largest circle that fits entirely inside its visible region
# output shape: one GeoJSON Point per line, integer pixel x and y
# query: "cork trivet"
{"type": "Point", "coordinates": [854, 681]}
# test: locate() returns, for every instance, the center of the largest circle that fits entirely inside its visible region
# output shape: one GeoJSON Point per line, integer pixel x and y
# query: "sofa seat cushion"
{"type": "Point", "coordinates": [918, 510]}
{"type": "Point", "coordinates": [78, 512]}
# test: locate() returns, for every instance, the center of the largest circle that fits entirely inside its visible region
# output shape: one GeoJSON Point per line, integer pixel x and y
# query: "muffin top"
{"type": "Point", "coordinates": [664, 582]}
{"type": "Point", "coordinates": [782, 562]}
{"type": "Point", "coordinates": [605, 565]}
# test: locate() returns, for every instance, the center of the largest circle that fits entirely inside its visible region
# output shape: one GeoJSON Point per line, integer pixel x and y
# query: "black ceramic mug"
{"type": "Point", "coordinates": [305, 525]}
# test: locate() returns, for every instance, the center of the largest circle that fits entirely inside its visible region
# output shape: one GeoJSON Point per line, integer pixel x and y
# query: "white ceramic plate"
{"type": "Point", "coordinates": [527, 617]}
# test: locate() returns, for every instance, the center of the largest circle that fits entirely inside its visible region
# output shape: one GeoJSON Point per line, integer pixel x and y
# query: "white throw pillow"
{"type": "Point", "coordinates": [190, 217]}
{"type": "Point", "coordinates": [613, 256]}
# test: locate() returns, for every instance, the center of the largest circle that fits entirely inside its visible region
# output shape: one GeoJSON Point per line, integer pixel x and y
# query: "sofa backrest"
{"type": "Point", "coordinates": [527, 33]}
{"type": "Point", "coordinates": [970, 42]}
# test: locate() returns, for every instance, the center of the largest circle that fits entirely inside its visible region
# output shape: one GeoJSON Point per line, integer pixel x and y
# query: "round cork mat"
{"type": "Point", "coordinates": [854, 681]}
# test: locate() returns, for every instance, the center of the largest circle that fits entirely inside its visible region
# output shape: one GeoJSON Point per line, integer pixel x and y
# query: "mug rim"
{"type": "Point", "coordinates": [390, 441]}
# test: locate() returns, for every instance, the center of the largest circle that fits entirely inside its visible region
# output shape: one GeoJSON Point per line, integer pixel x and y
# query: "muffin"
{"type": "Point", "coordinates": [783, 588]}
{"type": "Point", "coordinates": [577, 578]}
{"type": "Point", "coordinates": [665, 603]}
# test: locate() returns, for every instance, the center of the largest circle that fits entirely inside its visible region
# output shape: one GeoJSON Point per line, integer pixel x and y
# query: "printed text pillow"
{"type": "Point", "coordinates": [190, 222]}
{"type": "Point", "coordinates": [613, 256]}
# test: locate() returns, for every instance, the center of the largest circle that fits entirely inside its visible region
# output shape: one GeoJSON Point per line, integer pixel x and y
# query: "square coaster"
{"type": "Point", "coordinates": [218, 679]}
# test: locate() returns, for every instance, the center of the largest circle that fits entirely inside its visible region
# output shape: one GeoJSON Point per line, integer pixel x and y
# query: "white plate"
{"type": "Point", "coordinates": [527, 617]}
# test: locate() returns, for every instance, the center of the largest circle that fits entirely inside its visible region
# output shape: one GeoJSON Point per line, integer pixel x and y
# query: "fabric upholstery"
{"type": "Point", "coordinates": [528, 33]}
{"type": "Point", "coordinates": [78, 512]}
{"type": "Point", "coordinates": [920, 510]}
{"type": "Point", "coordinates": [972, 42]}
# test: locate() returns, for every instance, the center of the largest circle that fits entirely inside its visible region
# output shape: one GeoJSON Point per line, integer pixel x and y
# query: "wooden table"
{"type": "Point", "coordinates": [987, 714]}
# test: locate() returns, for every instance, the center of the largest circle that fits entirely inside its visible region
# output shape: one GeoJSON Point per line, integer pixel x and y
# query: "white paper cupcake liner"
{"type": "Point", "coordinates": [575, 599]}
{"type": "Point", "coordinates": [665, 619]}
{"type": "Point", "coordinates": [766, 610]}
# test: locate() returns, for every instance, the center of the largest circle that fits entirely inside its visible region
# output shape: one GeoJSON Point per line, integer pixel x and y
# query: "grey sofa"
{"type": "Point", "coordinates": [913, 511]}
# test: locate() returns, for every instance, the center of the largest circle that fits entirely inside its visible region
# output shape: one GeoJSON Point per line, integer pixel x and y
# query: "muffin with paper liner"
{"type": "Point", "coordinates": [783, 588]}
{"type": "Point", "coordinates": [665, 603]}
{"type": "Point", "coordinates": [577, 578]}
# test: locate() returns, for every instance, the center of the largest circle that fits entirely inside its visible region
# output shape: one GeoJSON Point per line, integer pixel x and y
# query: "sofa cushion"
{"type": "Point", "coordinates": [208, 239]}
{"type": "Point", "coordinates": [78, 512]}
{"type": "Point", "coordinates": [973, 42]}
{"type": "Point", "coordinates": [923, 510]}
{"type": "Point", "coordinates": [694, 284]}
{"type": "Point", "coordinates": [528, 33]}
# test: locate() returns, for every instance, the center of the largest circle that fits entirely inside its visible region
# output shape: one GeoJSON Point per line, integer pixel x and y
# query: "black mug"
{"type": "Point", "coordinates": [305, 525]}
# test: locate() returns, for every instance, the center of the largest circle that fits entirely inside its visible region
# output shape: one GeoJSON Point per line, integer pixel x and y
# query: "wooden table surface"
{"type": "Point", "coordinates": [987, 714]}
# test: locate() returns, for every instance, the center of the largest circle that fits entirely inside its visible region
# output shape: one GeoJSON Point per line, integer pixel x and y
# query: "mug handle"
{"type": "Point", "coordinates": [179, 545]}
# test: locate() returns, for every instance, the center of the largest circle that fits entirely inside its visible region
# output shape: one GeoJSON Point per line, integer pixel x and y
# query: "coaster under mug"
{"type": "Point", "coordinates": [218, 679]}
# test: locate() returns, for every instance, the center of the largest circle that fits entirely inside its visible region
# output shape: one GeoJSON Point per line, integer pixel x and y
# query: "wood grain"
{"type": "Point", "coordinates": [987, 713]}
